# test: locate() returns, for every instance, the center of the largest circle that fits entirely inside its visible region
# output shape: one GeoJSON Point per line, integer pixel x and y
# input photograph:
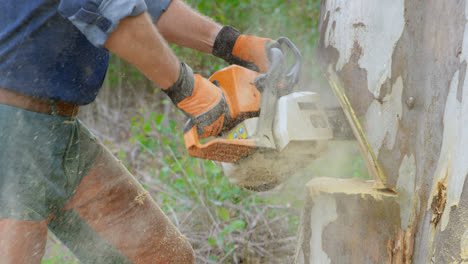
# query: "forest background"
{"type": "Point", "coordinates": [224, 223]}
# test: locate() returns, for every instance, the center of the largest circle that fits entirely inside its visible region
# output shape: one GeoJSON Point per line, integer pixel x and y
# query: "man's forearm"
{"type": "Point", "coordinates": [183, 26]}
{"type": "Point", "coordinates": [138, 41]}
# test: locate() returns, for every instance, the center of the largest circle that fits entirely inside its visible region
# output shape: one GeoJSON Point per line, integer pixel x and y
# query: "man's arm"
{"type": "Point", "coordinates": [126, 29]}
{"type": "Point", "coordinates": [138, 41]}
{"type": "Point", "coordinates": [183, 26]}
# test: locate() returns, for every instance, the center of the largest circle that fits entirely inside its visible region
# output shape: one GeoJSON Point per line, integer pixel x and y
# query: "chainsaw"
{"type": "Point", "coordinates": [278, 131]}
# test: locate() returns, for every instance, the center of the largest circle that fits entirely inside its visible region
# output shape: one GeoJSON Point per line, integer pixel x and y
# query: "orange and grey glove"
{"type": "Point", "coordinates": [245, 50]}
{"type": "Point", "coordinates": [202, 101]}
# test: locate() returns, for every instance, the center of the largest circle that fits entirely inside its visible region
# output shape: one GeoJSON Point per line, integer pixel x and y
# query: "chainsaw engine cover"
{"type": "Point", "coordinates": [301, 132]}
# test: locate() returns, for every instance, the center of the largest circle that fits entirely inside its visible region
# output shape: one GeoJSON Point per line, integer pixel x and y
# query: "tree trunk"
{"type": "Point", "coordinates": [398, 69]}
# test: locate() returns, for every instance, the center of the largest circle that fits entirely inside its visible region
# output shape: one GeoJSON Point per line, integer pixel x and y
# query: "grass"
{"type": "Point", "coordinates": [224, 223]}
{"type": "Point", "coordinates": [57, 253]}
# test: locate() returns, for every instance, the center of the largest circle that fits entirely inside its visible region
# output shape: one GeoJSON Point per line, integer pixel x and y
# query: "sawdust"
{"type": "Point", "coordinates": [300, 133]}
{"type": "Point", "coordinates": [273, 167]}
{"type": "Point", "coordinates": [139, 199]}
{"type": "Point", "coordinates": [183, 238]}
{"type": "Point", "coordinates": [347, 186]}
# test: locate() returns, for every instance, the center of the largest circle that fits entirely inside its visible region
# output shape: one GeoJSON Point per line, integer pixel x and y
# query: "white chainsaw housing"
{"type": "Point", "coordinates": [300, 131]}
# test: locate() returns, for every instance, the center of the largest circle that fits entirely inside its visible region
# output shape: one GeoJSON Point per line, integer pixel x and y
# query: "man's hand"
{"type": "Point", "coordinates": [137, 40]}
{"type": "Point", "coordinates": [244, 50]}
{"type": "Point", "coordinates": [202, 101]}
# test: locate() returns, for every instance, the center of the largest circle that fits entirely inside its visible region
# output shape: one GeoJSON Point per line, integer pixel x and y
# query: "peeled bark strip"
{"type": "Point", "coordinates": [402, 66]}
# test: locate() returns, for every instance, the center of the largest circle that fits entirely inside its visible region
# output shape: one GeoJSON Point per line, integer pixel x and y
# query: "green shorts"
{"type": "Point", "coordinates": [43, 158]}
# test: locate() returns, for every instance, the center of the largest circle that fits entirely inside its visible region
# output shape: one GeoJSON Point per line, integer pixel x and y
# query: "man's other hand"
{"type": "Point", "coordinates": [245, 50]}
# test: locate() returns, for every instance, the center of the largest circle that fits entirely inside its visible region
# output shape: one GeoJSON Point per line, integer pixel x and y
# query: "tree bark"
{"type": "Point", "coordinates": [398, 68]}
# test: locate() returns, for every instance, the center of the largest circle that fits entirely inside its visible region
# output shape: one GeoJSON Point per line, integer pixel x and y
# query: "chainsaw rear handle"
{"type": "Point", "coordinates": [232, 150]}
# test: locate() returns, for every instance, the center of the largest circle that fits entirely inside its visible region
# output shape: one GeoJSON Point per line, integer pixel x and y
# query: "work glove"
{"type": "Point", "coordinates": [245, 50]}
{"type": "Point", "coordinates": [202, 101]}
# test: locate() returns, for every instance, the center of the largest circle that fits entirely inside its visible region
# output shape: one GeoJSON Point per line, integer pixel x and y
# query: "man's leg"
{"type": "Point", "coordinates": [112, 217]}
{"type": "Point", "coordinates": [22, 242]}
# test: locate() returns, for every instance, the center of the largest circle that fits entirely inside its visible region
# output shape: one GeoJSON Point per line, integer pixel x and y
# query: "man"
{"type": "Point", "coordinates": [53, 173]}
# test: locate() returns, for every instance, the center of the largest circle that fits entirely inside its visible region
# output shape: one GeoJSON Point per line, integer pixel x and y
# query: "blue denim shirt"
{"type": "Point", "coordinates": [54, 49]}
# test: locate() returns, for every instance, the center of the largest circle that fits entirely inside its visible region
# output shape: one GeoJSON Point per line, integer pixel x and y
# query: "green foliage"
{"type": "Point", "coordinates": [163, 142]}
{"type": "Point", "coordinates": [188, 182]}
{"type": "Point", "coordinates": [192, 192]}
{"type": "Point", "coordinates": [224, 214]}
{"type": "Point", "coordinates": [359, 168]}
{"type": "Point", "coordinates": [219, 213]}
{"type": "Point", "coordinates": [59, 256]}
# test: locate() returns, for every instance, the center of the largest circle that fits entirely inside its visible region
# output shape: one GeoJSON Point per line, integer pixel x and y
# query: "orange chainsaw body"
{"type": "Point", "coordinates": [243, 98]}
{"type": "Point", "coordinates": [238, 85]}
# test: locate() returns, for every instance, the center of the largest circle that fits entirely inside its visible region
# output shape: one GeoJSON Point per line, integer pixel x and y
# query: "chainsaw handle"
{"type": "Point", "coordinates": [292, 75]}
{"type": "Point", "coordinates": [268, 83]}
{"type": "Point", "coordinates": [275, 73]}
{"type": "Point", "coordinates": [232, 150]}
